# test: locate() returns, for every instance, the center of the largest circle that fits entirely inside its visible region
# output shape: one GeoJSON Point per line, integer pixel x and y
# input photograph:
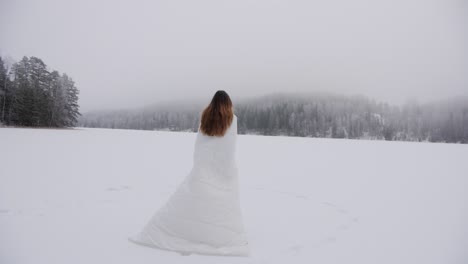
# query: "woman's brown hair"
{"type": "Point", "coordinates": [218, 115]}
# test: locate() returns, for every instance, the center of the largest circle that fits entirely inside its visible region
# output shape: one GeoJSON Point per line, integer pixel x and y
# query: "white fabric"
{"type": "Point", "coordinates": [203, 215]}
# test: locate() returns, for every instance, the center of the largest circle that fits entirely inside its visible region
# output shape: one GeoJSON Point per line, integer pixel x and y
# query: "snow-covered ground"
{"type": "Point", "coordinates": [74, 196]}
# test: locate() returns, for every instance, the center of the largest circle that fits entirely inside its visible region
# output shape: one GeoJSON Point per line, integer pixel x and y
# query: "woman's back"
{"type": "Point", "coordinates": [216, 151]}
{"type": "Point", "coordinates": [203, 215]}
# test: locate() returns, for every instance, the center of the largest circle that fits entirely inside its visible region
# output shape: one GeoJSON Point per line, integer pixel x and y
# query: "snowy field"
{"type": "Point", "coordinates": [74, 196]}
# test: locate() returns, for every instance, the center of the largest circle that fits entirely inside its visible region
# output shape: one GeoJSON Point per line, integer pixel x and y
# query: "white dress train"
{"type": "Point", "coordinates": [203, 215]}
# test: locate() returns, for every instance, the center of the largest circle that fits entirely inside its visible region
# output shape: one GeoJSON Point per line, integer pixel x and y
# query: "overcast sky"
{"type": "Point", "coordinates": [133, 53]}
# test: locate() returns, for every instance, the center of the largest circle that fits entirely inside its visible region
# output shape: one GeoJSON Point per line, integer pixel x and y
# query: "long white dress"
{"type": "Point", "coordinates": [203, 215]}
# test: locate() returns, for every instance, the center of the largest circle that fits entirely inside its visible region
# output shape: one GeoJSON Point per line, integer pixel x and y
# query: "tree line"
{"type": "Point", "coordinates": [308, 115]}
{"type": "Point", "coordinates": [34, 96]}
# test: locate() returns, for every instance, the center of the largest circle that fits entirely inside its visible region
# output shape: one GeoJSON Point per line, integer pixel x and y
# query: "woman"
{"type": "Point", "coordinates": [203, 215]}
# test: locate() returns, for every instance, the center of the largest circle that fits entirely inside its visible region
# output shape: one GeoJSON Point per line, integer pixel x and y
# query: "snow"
{"type": "Point", "coordinates": [74, 196]}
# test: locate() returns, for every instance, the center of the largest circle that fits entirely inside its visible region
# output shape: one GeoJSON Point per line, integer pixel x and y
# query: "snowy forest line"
{"type": "Point", "coordinates": [33, 96]}
{"type": "Point", "coordinates": [307, 115]}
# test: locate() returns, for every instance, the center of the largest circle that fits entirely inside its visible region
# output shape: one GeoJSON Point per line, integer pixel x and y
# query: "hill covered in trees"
{"type": "Point", "coordinates": [307, 115]}
{"type": "Point", "coordinates": [32, 95]}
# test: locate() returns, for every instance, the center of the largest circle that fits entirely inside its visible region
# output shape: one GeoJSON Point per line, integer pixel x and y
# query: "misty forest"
{"type": "Point", "coordinates": [308, 115]}
{"type": "Point", "coordinates": [32, 95]}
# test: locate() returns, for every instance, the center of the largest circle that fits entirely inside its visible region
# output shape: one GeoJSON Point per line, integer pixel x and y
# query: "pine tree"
{"type": "Point", "coordinates": [39, 81]}
{"type": "Point", "coordinates": [71, 101]}
{"type": "Point", "coordinates": [58, 100]}
{"type": "Point", "coordinates": [23, 112]}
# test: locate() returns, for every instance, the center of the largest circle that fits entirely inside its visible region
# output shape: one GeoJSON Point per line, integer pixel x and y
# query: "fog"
{"type": "Point", "coordinates": [125, 54]}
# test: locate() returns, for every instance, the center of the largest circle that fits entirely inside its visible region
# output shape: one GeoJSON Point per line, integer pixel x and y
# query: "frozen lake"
{"type": "Point", "coordinates": [74, 196]}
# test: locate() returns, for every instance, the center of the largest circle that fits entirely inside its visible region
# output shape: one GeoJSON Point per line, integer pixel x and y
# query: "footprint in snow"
{"type": "Point", "coordinates": [4, 211]}
{"type": "Point", "coordinates": [296, 248]}
{"type": "Point", "coordinates": [123, 187]}
{"type": "Point", "coordinates": [343, 227]}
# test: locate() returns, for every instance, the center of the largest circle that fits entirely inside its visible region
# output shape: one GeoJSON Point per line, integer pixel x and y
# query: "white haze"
{"type": "Point", "coordinates": [132, 53]}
